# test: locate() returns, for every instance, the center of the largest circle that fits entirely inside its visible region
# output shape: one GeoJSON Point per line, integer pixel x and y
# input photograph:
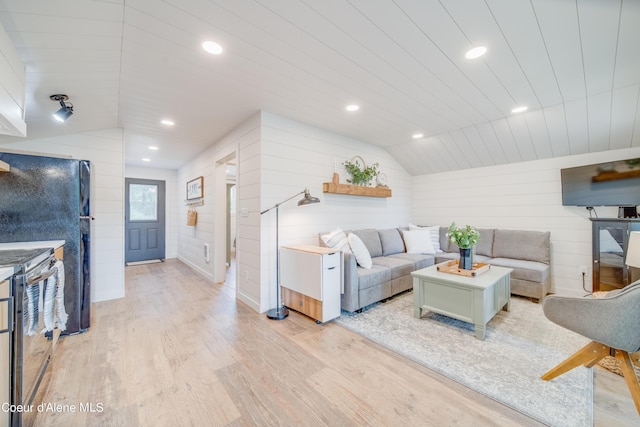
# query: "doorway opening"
{"type": "Point", "coordinates": [231, 238]}
{"type": "Point", "coordinates": [225, 223]}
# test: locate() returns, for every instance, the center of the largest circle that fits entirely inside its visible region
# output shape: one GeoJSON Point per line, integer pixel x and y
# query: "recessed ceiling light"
{"type": "Point", "coordinates": [353, 107]}
{"type": "Point", "coordinates": [417, 135]}
{"type": "Point", "coordinates": [151, 147]}
{"type": "Point", "coordinates": [146, 160]}
{"type": "Point", "coordinates": [520, 109]}
{"type": "Point", "coordinates": [476, 52]}
{"type": "Point", "coordinates": [212, 47]}
{"type": "Point", "coordinates": [167, 122]}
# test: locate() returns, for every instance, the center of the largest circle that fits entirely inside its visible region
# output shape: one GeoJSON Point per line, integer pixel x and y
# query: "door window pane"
{"type": "Point", "coordinates": [143, 202]}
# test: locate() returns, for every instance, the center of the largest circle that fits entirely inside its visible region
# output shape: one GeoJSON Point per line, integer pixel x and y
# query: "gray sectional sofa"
{"type": "Point", "coordinates": [526, 252]}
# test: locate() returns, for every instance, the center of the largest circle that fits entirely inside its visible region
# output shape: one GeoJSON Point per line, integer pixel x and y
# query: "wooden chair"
{"type": "Point", "coordinates": [611, 322]}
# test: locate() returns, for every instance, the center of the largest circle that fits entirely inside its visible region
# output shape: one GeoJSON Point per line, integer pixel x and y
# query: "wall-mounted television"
{"type": "Point", "coordinates": [604, 184]}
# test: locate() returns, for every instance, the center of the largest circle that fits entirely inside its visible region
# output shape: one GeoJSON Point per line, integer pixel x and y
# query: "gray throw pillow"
{"type": "Point", "coordinates": [391, 241]}
{"type": "Point", "coordinates": [371, 240]}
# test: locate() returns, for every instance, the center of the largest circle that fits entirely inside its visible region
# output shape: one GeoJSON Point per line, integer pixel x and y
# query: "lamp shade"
{"type": "Point", "coordinates": [633, 250]}
{"type": "Point", "coordinates": [308, 199]}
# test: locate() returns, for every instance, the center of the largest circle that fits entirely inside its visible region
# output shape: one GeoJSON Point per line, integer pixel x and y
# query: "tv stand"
{"type": "Point", "coordinates": [610, 238]}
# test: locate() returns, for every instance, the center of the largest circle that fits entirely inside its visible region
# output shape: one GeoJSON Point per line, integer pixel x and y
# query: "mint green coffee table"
{"type": "Point", "coordinates": [471, 299]}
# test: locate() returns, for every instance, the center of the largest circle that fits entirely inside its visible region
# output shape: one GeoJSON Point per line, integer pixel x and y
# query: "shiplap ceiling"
{"type": "Point", "coordinates": [132, 63]}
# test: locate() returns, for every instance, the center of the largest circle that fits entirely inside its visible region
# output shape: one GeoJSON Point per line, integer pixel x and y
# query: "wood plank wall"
{"type": "Point", "coordinates": [519, 196]}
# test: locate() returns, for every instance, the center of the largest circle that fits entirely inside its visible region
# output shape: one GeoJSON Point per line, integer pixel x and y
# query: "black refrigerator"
{"type": "Point", "coordinates": [48, 198]}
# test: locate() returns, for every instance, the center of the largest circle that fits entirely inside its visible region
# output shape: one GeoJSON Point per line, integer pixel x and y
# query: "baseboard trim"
{"type": "Point", "coordinates": [198, 270]}
{"type": "Point", "coordinates": [148, 261]}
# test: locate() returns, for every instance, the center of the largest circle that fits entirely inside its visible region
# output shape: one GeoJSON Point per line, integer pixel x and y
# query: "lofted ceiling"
{"type": "Point", "coordinates": [131, 63]}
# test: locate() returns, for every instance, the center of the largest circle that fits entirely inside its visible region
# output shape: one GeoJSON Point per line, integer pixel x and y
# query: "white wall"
{"type": "Point", "coordinates": [191, 240]}
{"type": "Point", "coordinates": [278, 158]}
{"type": "Point", "coordinates": [172, 202]}
{"type": "Point", "coordinates": [105, 150]}
{"type": "Point", "coordinates": [293, 156]}
{"type": "Point", "coordinates": [519, 196]}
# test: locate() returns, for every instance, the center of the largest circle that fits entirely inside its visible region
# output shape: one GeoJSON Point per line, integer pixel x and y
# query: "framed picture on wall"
{"type": "Point", "coordinates": [195, 188]}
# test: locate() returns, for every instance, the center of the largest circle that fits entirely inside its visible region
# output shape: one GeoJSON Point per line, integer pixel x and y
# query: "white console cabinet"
{"type": "Point", "coordinates": [311, 280]}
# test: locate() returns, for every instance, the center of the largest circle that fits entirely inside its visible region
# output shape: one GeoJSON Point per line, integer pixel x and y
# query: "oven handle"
{"type": "Point", "coordinates": [10, 316]}
{"type": "Point", "coordinates": [40, 277]}
{"type": "Point", "coordinates": [44, 265]}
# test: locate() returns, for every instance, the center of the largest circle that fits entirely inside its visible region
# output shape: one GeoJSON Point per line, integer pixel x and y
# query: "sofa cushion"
{"type": "Point", "coordinates": [522, 244]}
{"type": "Point", "coordinates": [419, 260]}
{"type": "Point", "coordinates": [532, 271]}
{"type": "Point", "coordinates": [399, 267]}
{"type": "Point", "coordinates": [418, 241]}
{"type": "Point", "coordinates": [371, 240]}
{"type": "Point", "coordinates": [481, 258]}
{"type": "Point", "coordinates": [485, 244]}
{"type": "Point", "coordinates": [363, 257]}
{"type": "Point", "coordinates": [448, 256]}
{"type": "Point", "coordinates": [391, 241]}
{"type": "Point", "coordinates": [375, 276]}
{"type": "Point", "coordinates": [337, 239]}
{"type": "Point", "coordinates": [444, 239]}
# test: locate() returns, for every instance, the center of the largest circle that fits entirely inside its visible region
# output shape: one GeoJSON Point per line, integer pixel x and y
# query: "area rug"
{"type": "Point", "coordinates": [519, 347]}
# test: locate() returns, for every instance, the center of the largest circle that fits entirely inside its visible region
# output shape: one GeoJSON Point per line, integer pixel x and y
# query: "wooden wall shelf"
{"type": "Point", "coordinates": [354, 190]}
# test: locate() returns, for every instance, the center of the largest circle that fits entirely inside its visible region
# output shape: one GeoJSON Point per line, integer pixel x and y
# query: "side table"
{"type": "Point", "coordinates": [311, 280]}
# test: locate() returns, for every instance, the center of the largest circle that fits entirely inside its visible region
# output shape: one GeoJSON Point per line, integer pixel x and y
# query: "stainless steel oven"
{"type": "Point", "coordinates": [6, 330]}
{"type": "Point", "coordinates": [30, 348]}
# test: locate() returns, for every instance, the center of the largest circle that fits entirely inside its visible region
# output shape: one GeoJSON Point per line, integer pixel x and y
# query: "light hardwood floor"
{"type": "Point", "coordinates": [181, 351]}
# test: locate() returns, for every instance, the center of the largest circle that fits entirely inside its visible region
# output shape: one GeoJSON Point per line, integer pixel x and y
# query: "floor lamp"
{"type": "Point", "coordinates": [281, 312]}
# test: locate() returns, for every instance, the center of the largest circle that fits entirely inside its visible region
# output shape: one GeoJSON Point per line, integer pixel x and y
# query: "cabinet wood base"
{"type": "Point", "coordinates": [302, 303]}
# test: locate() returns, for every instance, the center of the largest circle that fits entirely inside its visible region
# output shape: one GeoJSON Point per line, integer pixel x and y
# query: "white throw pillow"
{"type": "Point", "coordinates": [435, 235]}
{"type": "Point", "coordinates": [337, 239]}
{"type": "Point", "coordinates": [360, 251]}
{"type": "Point", "coordinates": [418, 241]}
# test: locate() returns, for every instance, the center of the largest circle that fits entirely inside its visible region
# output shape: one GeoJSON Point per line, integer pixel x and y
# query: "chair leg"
{"type": "Point", "coordinates": [588, 356]}
{"type": "Point", "coordinates": [629, 376]}
{"type": "Point", "coordinates": [635, 358]}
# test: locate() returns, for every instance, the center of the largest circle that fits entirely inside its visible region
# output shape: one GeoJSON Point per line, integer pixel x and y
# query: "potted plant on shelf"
{"type": "Point", "coordinates": [361, 174]}
{"type": "Point", "coordinates": [466, 238]}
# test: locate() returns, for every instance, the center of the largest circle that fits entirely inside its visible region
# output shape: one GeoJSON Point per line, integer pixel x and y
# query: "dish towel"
{"type": "Point", "coordinates": [32, 309]}
{"type": "Point", "coordinates": [48, 302]}
{"type": "Point", "coordinates": [61, 314]}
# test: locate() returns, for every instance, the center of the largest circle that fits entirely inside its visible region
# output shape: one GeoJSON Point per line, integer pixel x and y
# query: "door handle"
{"type": "Point", "coordinates": [331, 268]}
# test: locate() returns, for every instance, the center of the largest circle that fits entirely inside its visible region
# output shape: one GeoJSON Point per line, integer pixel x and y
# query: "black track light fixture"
{"type": "Point", "coordinates": [66, 109]}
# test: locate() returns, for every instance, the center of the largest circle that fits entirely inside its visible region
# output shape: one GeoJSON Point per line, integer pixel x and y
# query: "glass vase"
{"type": "Point", "coordinates": [465, 259]}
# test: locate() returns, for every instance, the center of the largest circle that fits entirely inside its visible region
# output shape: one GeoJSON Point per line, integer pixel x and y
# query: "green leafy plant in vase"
{"type": "Point", "coordinates": [466, 238]}
{"type": "Point", "coordinates": [360, 174]}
